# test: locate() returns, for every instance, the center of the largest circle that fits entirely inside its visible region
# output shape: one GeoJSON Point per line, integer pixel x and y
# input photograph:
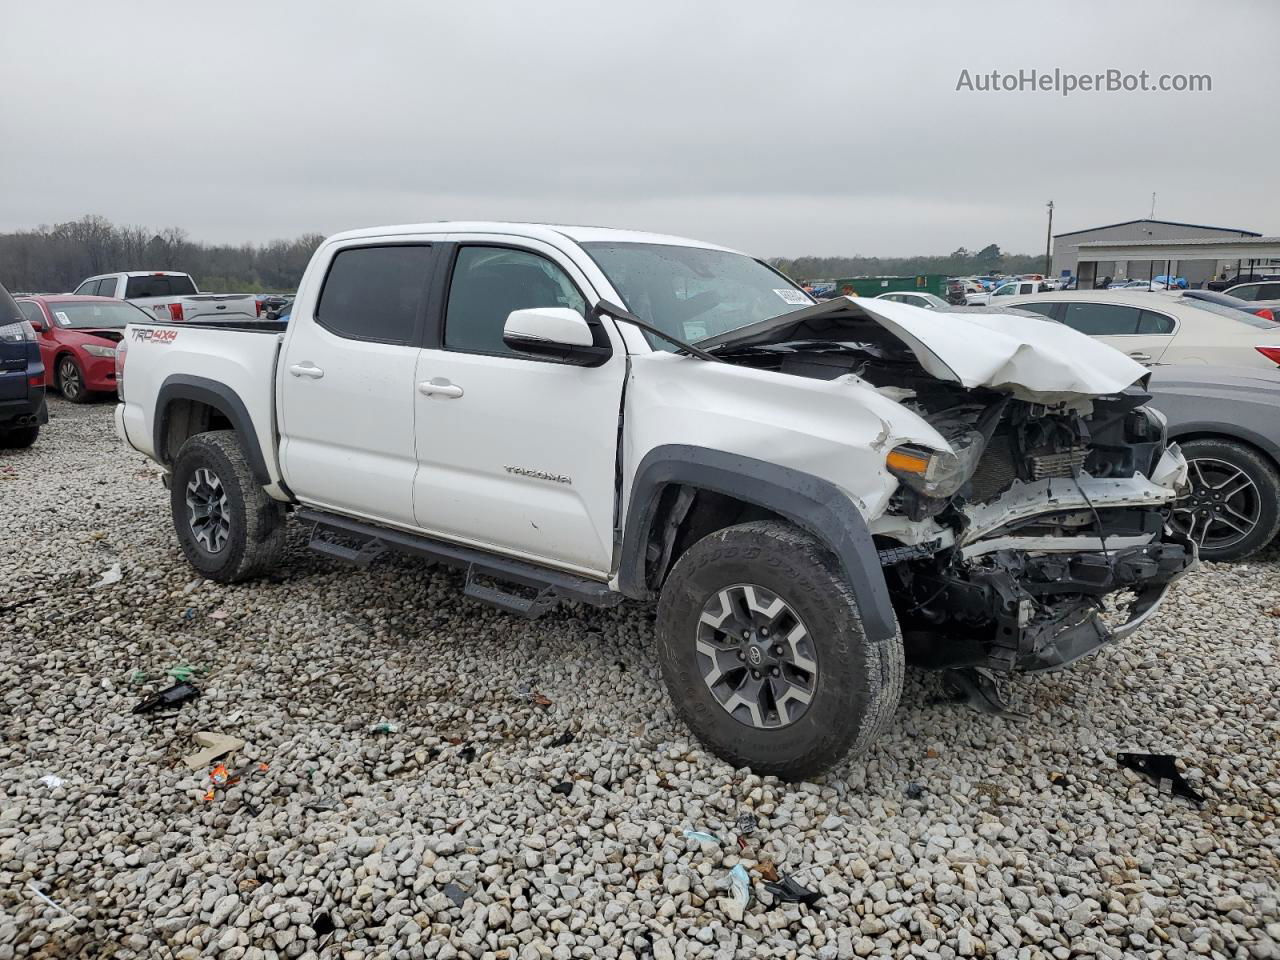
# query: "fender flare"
{"type": "Point", "coordinates": [811, 503]}
{"type": "Point", "coordinates": [181, 386]}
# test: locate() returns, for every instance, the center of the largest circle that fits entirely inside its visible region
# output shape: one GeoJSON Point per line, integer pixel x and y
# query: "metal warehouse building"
{"type": "Point", "coordinates": [1066, 246]}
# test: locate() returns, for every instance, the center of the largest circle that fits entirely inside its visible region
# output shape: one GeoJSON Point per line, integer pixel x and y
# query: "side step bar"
{"type": "Point", "coordinates": [503, 575]}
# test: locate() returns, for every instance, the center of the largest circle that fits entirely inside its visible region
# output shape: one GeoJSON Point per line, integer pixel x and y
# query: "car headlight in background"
{"type": "Point", "coordinates": [96, 350]}
{"type": "Point", "coordinates": [17, 332]}
{"type": "Point", "coordinates": [937, 473]}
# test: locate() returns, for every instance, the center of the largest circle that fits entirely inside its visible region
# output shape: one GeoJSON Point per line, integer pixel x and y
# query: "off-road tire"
{"type": "Point", "coordinates": [858, 683]}
{"type": "Point", "coordinates": [1265, 478]}
{"type": "Point", "coordinates": [18, 438]}
{"type": "Point", "coordinates": [256, 539]}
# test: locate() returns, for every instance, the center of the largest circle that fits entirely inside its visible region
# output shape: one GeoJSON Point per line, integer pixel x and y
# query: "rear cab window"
{"type": "Point", "coordinates": [1102, 319]}
{"type": "Point", "coordinates": [158, 286]}
{"type": "Point", "coordinates": [376, 293]}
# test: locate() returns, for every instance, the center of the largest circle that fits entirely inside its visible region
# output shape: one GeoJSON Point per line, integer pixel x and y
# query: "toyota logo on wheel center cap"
{"type": "Point", "coordinates": [754, 656]}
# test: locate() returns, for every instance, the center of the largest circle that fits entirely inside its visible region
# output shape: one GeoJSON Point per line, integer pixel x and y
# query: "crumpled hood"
{"type": "Point", "coordinates": [1036, 360]}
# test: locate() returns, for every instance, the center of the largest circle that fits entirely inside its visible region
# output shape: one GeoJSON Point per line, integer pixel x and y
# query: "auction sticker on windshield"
{"type": "Point", "coordinates": [62, 318]}
{"type": "Point", "coordinates": [792, 296]}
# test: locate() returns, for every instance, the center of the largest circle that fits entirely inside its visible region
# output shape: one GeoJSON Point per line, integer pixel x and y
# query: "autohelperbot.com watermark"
{"type": "Point", "coordinates": [1065, 82]}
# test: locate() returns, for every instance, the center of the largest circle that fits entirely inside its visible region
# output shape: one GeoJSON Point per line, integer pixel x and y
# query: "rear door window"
{"type": "Point", "coordinates": [1155, 323]}
{"type": "Point", "coordinates": [1102, 319]}
{"type": "Point", "coordinates": [376, 293]}
{"type": "Point", "coordinates": [1269, 291]}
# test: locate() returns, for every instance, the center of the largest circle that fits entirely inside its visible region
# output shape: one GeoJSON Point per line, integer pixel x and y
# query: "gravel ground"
{"type": "Point", "coordinates": [960, 834]}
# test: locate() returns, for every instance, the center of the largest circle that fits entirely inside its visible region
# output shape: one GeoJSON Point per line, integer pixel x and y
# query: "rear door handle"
{"type": "Point", "coordinates": [439, 387]}
{"type": "Point", "coordinates": [1139, 355]}
{"type": "Point", "coordinates": [306, 369]}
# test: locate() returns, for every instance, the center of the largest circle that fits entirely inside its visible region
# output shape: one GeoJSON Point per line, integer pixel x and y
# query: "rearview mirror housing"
{"type": "Point", "coordinates": [556, 333]}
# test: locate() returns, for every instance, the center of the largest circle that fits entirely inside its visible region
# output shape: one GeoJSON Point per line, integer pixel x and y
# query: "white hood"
{"type": "Point", "coordinates": [1033, 359]}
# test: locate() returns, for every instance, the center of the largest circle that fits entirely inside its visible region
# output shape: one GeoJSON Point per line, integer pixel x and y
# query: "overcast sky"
{"type": "Point", "coordinates": [780, 128]}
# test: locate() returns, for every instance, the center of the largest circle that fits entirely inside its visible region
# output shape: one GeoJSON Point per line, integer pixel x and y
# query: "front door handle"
{"type": "Point", "coordinates": [306, 369]}
{"type": "Point", "coordinates": [1139, 355]}
{"type": "Point", "coordinates": [439, 387]}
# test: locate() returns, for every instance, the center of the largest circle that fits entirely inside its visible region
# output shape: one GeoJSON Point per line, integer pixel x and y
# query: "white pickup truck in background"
{"type": "Point", "coordinates": [169, 296]}
{"type": "Point", "coordinates": [813, 493]}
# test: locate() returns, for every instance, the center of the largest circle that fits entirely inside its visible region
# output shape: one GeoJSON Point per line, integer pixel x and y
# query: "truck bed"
{"type": "Point", "coordinates": [205, 360]}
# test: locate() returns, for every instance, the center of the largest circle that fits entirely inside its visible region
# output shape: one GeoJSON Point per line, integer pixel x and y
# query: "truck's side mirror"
{"type": "Point", "coordinates": [556, 333]}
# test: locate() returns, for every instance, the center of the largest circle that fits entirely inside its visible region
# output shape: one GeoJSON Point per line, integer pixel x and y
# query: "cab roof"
{"type": "Point", "coordinates": [535, 231]}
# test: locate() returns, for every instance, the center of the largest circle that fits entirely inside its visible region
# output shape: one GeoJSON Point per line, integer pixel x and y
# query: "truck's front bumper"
{"type": "Point", "coordinates": [1014, 611]}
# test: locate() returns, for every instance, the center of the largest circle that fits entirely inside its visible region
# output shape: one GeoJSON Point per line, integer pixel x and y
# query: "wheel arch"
{"type": "Point", "coordinates": [187, 405]}
{"type": "Point", "coordinates": [1231, 433]}
{"type": "Point", "coordinates": [769, 490]}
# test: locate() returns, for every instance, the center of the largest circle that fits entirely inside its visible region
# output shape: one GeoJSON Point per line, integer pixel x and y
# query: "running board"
{"type": "Point", "coordinates": [505, 577]}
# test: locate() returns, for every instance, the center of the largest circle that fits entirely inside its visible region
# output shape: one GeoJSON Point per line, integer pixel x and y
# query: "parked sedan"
{"type": "Point", "coordinates": [1163, 326]}
{"type": "Point", "coordinates": [1267, 309]}
{"type": "Point", "coordinates": [1227, 421]}
{"type": "Point", "coordinates": [926, 301]}
{"type": "Point", "coordinates": [77, 338]}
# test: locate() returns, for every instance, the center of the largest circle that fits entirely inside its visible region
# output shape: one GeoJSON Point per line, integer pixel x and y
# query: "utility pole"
{"type": "Point", "coordinates": [1048, 243]}
{"type": "Point", "coordinates": [1153, 204]}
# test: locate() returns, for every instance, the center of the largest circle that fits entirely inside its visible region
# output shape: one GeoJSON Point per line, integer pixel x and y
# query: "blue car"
{"type": "Point", "coordinates": [22, 407]}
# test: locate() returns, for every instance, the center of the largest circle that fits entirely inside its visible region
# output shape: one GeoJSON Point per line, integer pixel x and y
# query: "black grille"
{"type": "Point", "coordinates": [996, 471]}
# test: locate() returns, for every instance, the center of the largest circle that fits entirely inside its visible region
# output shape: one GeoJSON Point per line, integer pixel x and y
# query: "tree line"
{"type": "Point", "coordinates": [960, 263]}
{"type": "Point", "coordinates": [54, 259]}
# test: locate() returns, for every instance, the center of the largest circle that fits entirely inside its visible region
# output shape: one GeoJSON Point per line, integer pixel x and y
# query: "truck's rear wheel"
{"type": "Point", "coordinates": [230, 530]}
{"type": "Point", "coordinates": [763, 652]}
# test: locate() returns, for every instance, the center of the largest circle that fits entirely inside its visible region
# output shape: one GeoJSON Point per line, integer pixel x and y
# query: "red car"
{"type": "Point", "coordinates": [78, 337]}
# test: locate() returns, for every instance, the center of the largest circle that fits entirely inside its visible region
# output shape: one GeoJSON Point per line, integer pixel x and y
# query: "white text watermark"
{"type": "Point", "coordinates": [1066, 83]}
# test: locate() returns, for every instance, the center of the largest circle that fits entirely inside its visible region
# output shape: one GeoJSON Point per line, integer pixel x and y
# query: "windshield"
{"type": "Point", "coordinates": [95, 315]}
{"type": "Point", "coordinates": [1244, 316]}
{"type": "Point", "coordinates": [693, 293]}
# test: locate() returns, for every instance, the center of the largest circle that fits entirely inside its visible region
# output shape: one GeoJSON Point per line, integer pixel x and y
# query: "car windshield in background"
{"type": "Point", "coordinates": [1244, 316]}
{"type": "Point", "coordinates": [102, 315]}
{"type": "Point", "coordinates": [693, 293]}
{"type": "Point", "coordinates": [161, 286]}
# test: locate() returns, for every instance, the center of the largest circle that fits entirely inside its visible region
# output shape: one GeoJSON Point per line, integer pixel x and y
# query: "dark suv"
{"type": "Point", "coordinates": [22, 408]}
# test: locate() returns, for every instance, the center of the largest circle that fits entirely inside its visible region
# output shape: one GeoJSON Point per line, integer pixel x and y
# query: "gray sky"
{"type": "Point", "coordinates": [780, 128]}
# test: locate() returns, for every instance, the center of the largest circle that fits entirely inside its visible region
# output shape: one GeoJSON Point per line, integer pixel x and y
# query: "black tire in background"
{"type": "Point", "coordinates": [255, 538]}
{"type": "Point", "coordinates": [70, 380]}
{"type": "Point", "coordinates": [857, 682]}
{"type": "Point", "coordinates": [18, 438]}
{"type": "Point", "coordinates": [1228, 527]}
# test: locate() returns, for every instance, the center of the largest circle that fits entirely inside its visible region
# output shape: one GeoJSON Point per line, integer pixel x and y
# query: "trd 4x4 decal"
{"type": "Point", "coordinates": [152, 335]}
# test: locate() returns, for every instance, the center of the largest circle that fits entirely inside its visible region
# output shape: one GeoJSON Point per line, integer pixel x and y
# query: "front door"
{"type": "Point", "coordinates": [516, 453]}
{"type": "Point", "coordinates": [347, 383]}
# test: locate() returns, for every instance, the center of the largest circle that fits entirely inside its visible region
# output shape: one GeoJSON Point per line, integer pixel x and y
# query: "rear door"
{"type": "Point", "coordinates": [1143, 334]}
{"type": "Point", "coordinates": [517, 453]}
{"type": "Point", "coordinates": [346, 381]}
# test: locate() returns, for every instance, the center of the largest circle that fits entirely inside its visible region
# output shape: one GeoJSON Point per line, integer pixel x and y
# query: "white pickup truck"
{"type": "Point", "coordinates": [813, 493]}
{"type": "Point", "coordinates": [169, 296]}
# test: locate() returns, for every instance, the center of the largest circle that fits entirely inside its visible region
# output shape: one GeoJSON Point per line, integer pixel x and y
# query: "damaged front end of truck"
{"type": "Point", "coordinates": [1035, 533]}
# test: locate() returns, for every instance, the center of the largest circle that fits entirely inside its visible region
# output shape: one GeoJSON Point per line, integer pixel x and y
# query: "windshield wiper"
{"type": "Point", "coordinates": [618, 313]}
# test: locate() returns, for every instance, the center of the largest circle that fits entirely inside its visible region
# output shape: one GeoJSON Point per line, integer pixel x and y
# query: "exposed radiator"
{"type": "Point", "coordinates": [1065, 464]}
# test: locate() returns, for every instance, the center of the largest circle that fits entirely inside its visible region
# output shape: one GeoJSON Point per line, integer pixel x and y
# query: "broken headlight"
{"type": "Point", "coordinates": [937, 473]}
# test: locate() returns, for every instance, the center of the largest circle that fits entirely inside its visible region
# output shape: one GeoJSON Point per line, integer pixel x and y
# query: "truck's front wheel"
{"type": "Point", "coordinates": [763, 651]}
{"type": "Point", "coordinates": [230, 530]}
